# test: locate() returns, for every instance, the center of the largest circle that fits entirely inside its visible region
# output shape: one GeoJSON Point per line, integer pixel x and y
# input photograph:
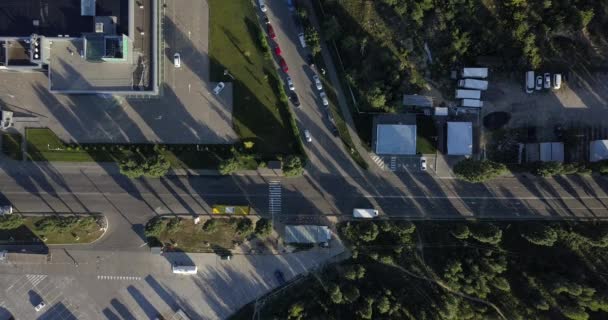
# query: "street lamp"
{"type": "Point", "coordinates": [226, 73]}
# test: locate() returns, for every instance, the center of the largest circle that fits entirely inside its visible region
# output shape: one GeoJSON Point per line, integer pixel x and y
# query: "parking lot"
{"type": "Point", "coordinates": [186, 112]}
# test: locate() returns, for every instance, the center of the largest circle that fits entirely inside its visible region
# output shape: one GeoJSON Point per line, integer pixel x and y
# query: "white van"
{"type": "Point", "coordinates": [302, 41]}
{"type": "Point", "coordinates": [365, 213]}
{"type": "Point", "coordinates": [262, 6]}
{"type": "Point", "coordinates": [177, 269]}
{"type": "Point", "coordinates": [530, 81]}
{"type": "Point", "coordinates": [557, 81]}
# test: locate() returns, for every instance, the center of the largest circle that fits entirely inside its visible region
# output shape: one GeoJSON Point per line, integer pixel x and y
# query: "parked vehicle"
{"type": "Point", "coordinates": [266, 20]}
{"type": "Point", "coordinates": [283, 65]}
{"type": "Point", "coordinates": [218, 88]}
{"type": "Point", "coordinates": [177, 60]}
{"type": "Point", "coordinates": [294, 99]}
{"type": "Point", "coordinates": [539, 83]}
{"type": "Point", "coordinates": [290, 84]}
{"type": "Point", "coordinates": [302, 40]}
{"type": "Point", "coordinates": [280, 277]}
{"type": "Point", "coordinates": [271, 33]}
{"type": "Point", "coordinates": [318, 83]}
{"type": "Point", "coordinates": [423, 164]}
{"type": "Point", "coordinates": [468, 94]}
{"type": "Point", "coordinates": [178, 269]}
{"type": "Point", "coordinates": [262, 5]}
{"type": "Point", "coordinates": [7, 209]}
{"type": "Point", "coordinates": [365, 213]}
{"type": "Point", "coordinates": [480, 73]}
{"type": "Point", "coordinates": [547, 81]}
{"type": "Point", "coordinates": [473, 84]}
{"type": "Point", "coordinates": [310, 60]}
{"type": "Point", "coordinates": [529, 81]}
{"type": "Point", "coordinates": [471, 103]}
{"type": "Point", "coordinates": [324, 99]}
{"type": "Point", "coordinates": [557, 81]}
{"type": "Point", "coordinates": [307, 135]}
{"type": "Point", "coordinates": [277, 50]}
{"type": "Point", "coordinates": [226, 257]}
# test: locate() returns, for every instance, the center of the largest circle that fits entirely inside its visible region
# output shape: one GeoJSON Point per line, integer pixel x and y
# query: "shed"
{"type": "Point", "coordinates": [417, 100]}
{"type": "Point", "coordinates": [306, 234]}
{"type": "Point", "coordinates": [598, 150]}
{"type": "Point", "coordinates": [460, 138]}
{"type": "Point", "coordinates": [396, 139]}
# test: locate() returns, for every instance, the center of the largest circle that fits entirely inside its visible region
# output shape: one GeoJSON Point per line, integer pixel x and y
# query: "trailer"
{"type": "Point", "coordinates": [179, 269]}
{"type": "Point", "coordinates": [365, 213]}
{"type": "Point", "coordinates": [468, 94]}
{"type": "Point", "coordinates": [471, 103]}
{"type": "Point", "coordinates": [480, 73]}
{"type": "Point", "coordinates": [473, 84]}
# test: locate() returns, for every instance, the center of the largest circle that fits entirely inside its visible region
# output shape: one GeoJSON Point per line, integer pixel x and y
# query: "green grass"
{"type": "Point", "coordinates": [85, 228]}
{"type": "Point", "coordinates": [259, 112]}
{"type": "Point", "coordinates": [11, 145]}
{"type": "Point", "coordinates": [44, 145]}
{"type": "Point", "coordinates": [426, 134]}
{"type": "Point", "coordinates": [191, 238]}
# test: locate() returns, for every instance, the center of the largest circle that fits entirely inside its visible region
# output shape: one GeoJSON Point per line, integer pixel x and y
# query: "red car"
{"type": "Point", "coordinates": [283, 65]}
{"type": "Point", "coordinates": [271, 33]}
{"type": "Point", "coordinates": [277, 50]}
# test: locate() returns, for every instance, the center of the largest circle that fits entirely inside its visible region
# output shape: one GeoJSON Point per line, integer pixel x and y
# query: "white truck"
{"type": "Point", "coordinates": [471, 103]}
{"type": "Point", "coordinates": [480, 73]}
{"type": "Point", "coordinates": [365, 213]}
{"type": "Point", "coordinates": [473, 84]}
{"type": "Point", "coordinates": [180, 269]}
{"type": "Point", "coordinates": [468, 94]}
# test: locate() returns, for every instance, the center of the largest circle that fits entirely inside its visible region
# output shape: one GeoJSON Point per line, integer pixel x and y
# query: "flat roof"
{"type": "Point", "coordinates": [598, 150]}
{"type": "Point", "coordinates": [69, 72]}
{"type": "Point", "coordinates": [57, 17]}
{"type": "Point", "coordinates": [306, 234]}
{"type": "Point", "coordinates": [552, 151]}
{"type": "Point", "coordinates": [398, 139]}
{"type": "Point", "coordinates": [460, 138]}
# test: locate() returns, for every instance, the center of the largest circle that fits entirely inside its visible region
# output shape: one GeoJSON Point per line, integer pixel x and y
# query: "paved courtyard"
{"type": "Point", "coordinates": [187, 111]}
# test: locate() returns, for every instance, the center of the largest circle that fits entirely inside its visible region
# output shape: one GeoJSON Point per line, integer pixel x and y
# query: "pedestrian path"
{"type": "Point", "coordinates": [274, 197]}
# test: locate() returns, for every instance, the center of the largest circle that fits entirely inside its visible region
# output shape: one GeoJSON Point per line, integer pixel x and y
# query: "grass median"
{"type": "Point", "coordinates": [17, 229]}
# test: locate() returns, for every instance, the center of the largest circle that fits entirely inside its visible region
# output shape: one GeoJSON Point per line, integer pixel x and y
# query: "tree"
{"type": "Point", "coordinates": [210, 225]}
{"type": "Point", "coordinates": [335, 294]}
{"type": "Point", "coordinates": [293, 166]}
{"type": "Point", "coordinates": [486, 233]}
{"type": "Point", "coordinates": [383, 305]}
{"type": "Point", "coordinates": [460, 231]}
{"type": "Point", "coordinates": [311, 36]}
{"type": "Point", "coordinates": [296, 311]}
{"type": "Point", "coordinates": [263, 227]}
{"type": "Point", "coordinates": [540, 234]}
{"type": "Point", "coordinates": [376, 98]}
{"type": "Point", "coordinates": [331, 28]}
{"type": "Point", "coordinates": [368, 231]}
{"type": "Point", "coordinates": [350, 293]}
{"type": "Point", "coordinates": [229, 166]}
{"type": "Point", "coordinates": [365, 310]}
{"type": "Point", "coordinates": [478, 170]}
{"type": "Point", "coordinates": [10, 221]}
{"type": "Point", "coordinates": [152, 165]}
{"type": "Point", "coordinates": [244, 226]}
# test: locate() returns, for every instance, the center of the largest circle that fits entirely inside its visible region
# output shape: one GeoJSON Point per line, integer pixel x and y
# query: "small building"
{"type": "Point", "coordinates": [306, 234]}
{"type": "Point", "coordinates": [417, 101]}
{"type": "Point", "coordinates": [395, 139]}
{"type": "Point", "coordinates": [598, 150]}
{"type": "Point", "coordinates": [545, 151]}
{"type": "Point", "coordinates": [460, 138]}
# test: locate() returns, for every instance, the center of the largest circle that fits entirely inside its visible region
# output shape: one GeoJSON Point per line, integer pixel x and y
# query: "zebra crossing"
{"type": "Point", "coordinates": [35, 279]}
{"type": "Point", "coordinates": [378, 160]}
{"type": "Point", "coordinates": [274, 197]}
{"type": "Point", "coordinates": [393, 164]}
{"type": "Point", "coordinates": [104, 277]}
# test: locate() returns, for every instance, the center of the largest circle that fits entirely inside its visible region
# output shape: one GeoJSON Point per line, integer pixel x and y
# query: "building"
{"type": "Point", "coordinates": [460, 138]}
{"type": "Point", "coordinates": [598, 150]}
{"type": "Point", "coordinates": [306, 234]}
{"type": "Point", "coordinates": [84, 46]}
{"type": "Point", "coordinates": [545, 151]}
{"type": "Point", "coordinates": [417, 101]}
{"type": "Point", "coordinates": [394, 134]}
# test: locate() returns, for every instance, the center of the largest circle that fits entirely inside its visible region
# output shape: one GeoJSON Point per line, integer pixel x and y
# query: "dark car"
{"type": "Point", "coordinates": [280, 278]}
{"type": "Point", "coordinates": [310, 60]}
{"type": "Point", "coordinates": [266, 20]}
{"type": "Point", "coordinates": [294, 99]}
{"type": "Point", "coordinates": [283, 65]}
{"type": "Point", "coordinates": [271, 33]}
{"type": "Point", "coordinates": [334, 130]}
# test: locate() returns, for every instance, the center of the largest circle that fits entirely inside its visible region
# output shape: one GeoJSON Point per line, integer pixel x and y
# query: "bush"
{"type": "Point", "coordinates": [210, 225]}
{"type": "Point", "coordinates": [148, 165]}
{"type": "Point", "coordinates": [263, 227]}
{"type": "Point", "coordinates": [154, 227]}
{"type": "Point", "coordinates": [293, 166]}
{"type": "Point", "coordinates": [548, 169]}
{"type": "Point", "coordinates": [478, 170]}
{"type": "Point", "coordinates": [63, 224]}
{"type": "Point", "coordinates": [244, 226]}
{"type": "Point", "coordinates": [486, 233]}
{"type": "Point", "coordinates": [461, 231]}
{"type": "Point", "coordinates": [10, 221]}
{"type": "Point", "coordinates": [173, 225]}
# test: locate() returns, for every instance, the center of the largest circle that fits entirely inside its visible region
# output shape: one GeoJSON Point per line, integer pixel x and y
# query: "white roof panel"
{"type": "Point", "coordinates": [598, 150]}
{"type": "Point", "coordinates": [397, 139]}
{"type": "Point", "coordinates": [460, 138]}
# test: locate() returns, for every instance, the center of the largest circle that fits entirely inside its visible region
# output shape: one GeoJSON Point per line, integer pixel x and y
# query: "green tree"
{"type": "Point", "coordinates": [311, 36]}
{"type": "Point", "coordinates": [350, 293]}
{"type": "Point", "coordinates": [152, 165]}
{"type": "Point", "coordinates": [263, 227]}
{"type": "Point", "coordinates": [154, 227]}
{"type": "Point", "coordinates": [229, 166]}
{"type": "Point", "coordinates": [296, 311]}
{"type": "Point", "coordinates": [540, 234]}
{"type": "Point", "coordinates": [244, 226]}
{"type": "Point", "coordinates": [293, 166]}
{"type": "Point", "coordinates": [335, 294]}
{"type": "Point", "coordinates": [460, 231]}
{"type": "Point", "coordinates": [211, 225]}
{"type": "Point", "coordinates": [486, 233]}
{"type": "Point", "coordinates": [548, 169]}
{"type": "Point", "coordinates": [10, 221]}
{"type": "Point", "coordinates": [383, 305]}
{"type": "Point", "coordinates": [376, 98]}
{"type": "Point", "coordinates": [365, 310]}
{"type": "Point", "coordinates": [478, 170]}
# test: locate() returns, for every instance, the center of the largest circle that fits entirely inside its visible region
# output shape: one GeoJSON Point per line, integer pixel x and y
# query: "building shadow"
{"type": "Point", "coordinates": [122, 310]}
{"type": "Point", "coordinates": [143, 302]}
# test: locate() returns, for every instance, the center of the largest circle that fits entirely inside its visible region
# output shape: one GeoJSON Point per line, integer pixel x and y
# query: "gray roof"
{"type": "Point", "coordinates": [306, 234]}
{"type": "Point", "coordinates": [396, 139]}
{"type": "Point", "coordinates": [416, 100]}
{"type": "Point", "coordinates": [460, 138]}
{"type": "Point", "coordinates": [552, 151]}
{"type": "Point", "coordinates": [598, 150]}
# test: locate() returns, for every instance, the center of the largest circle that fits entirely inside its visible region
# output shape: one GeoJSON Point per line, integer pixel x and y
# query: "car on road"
{"type": "Point", "coordinates": [557, 81]}
{"type": "Point", "coordinates": [310, 60]}
{"type": "Point", "coordinates": [324, 98]}
{"type": "Point", "coordinates": [302, 39]}
{"type": "Point", "coordinates": [530, 81]}
{"type": "Point", "coordinates": [266, 20]}
{"type": "Point", "coordinates": [307, 135]}
{"type": "Point", "coordinates": [271, 33]}
{"type": "Point", "coordinates": [547, 81]}
{"type": "Point", "coordinates": [218, 88]}
{"type": "Point", "coordinates": [277, 50]}
{"type": "Point", "coordinates": [318, 83]}
{"type": "Point", "coordinates": [280, 277]}
{"type": "Point", "coordinates": [539, 83]}
{"type": "Point", "coordinates": [177, 60]}
{"type": "Point", "coordinates": [334, 130]}
{"type": "Point", "coordinates": [423, 164]}
{"type": "Point", "coordinates": [294, 99]}
{"type": "Point", "coordinates": [290, 84]}
{"type": "Point", "coordinates": [262, 5]}
{"type": "Point", "coordinates": [40, 306]}
{"type": "Point", "coordinates": [283, 65]}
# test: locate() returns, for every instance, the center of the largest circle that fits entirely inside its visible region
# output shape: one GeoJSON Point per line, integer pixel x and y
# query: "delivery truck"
{"type": "Point", "coordinates": [471, 103]}
{"type": "Point", "coordinates": [468, 94]}
{"type": "Point", "coordinates": [480, 73]}
{"type": "Point", "coordinates": [473, 84]}
{"type": "Point", "coordinates": [365, 213]}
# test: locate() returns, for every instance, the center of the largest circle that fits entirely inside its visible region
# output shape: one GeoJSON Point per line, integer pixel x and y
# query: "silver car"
{"type": "Point", "coordinates": [324, 98]}
{"type": "Point", "coordinates": [318, 83]}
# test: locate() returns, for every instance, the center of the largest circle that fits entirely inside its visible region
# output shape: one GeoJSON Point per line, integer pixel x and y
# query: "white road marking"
{"type": "Point", "coordinates": [106, 277]}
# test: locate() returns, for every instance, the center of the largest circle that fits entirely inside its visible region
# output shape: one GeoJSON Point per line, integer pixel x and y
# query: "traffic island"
{"type": "Point", "coordinates": [51, 229]}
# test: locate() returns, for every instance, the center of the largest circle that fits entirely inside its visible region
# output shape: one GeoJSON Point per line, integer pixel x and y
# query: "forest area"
{"type": "Point", "coordinates": [392, 47]}
{"type": "Point", "coordinates": [456, 270]}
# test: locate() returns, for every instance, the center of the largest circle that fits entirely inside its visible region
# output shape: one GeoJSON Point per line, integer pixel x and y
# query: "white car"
{"type": "Point", "coordinates": [262, 5]}
{"type": "Point", "coordinates": [218, 88]}
{"type": "Point", "coordinates": [290, 84]}
{"type": "Point", "coordinates": [40, 306]}
{"type": "Point", "coordinates": [177, 60]}
{"type": "Point", "coordinates": [557, 81]}
{"type": "Point", "coordinates": [324, 98]}
{"type": "Point", "coordinates": [318, 83]}
{"type": "Point", "coordinates": [547, 81]}
{"type": "Point", "coordinates": [307, 135]}
{"type": "Point", "coordinates": [423, 164]}
{"type": "Point", "coordinates": [539, 83]}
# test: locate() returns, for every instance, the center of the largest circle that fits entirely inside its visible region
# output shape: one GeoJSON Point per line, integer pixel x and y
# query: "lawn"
{"type": "Point", "coordinates": [184, 235]}
{"type": "Point", "coordinates": [11, 145]}
{"type": "Point", "coordinates": [44, 145]}
{"type": "Point", "coordinates": [260, 113]}
{"type": "Point", "coordinates": [426, 135]}
{"type": "Point", "coordinates": [55, 229]}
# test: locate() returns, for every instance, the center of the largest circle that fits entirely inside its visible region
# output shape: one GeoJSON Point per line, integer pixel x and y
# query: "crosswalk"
{"type": "Point", "coordinates": [35, 279]}
{"type": "Point", "coordinates": [274, 197]}
{"type": "Point", "coordinates": [393, 164]}
{"type": "Point", "coordinates": [104, 277]}
{"type": "Point", "coordinates": [378, 160]}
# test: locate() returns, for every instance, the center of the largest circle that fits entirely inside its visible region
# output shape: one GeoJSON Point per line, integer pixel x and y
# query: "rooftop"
{"type": "Point", "coordinates": [396, 139]}
{"type": "Point", "coordinates": [598, 150]}
{"type": "Point", "coordinates": [460, 138]}
{"type": "Point", "coordinates": [306, 234]}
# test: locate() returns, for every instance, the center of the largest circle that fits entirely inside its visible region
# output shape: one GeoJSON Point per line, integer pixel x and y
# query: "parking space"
{"type": "Point", "coordinates": [411, 164]}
